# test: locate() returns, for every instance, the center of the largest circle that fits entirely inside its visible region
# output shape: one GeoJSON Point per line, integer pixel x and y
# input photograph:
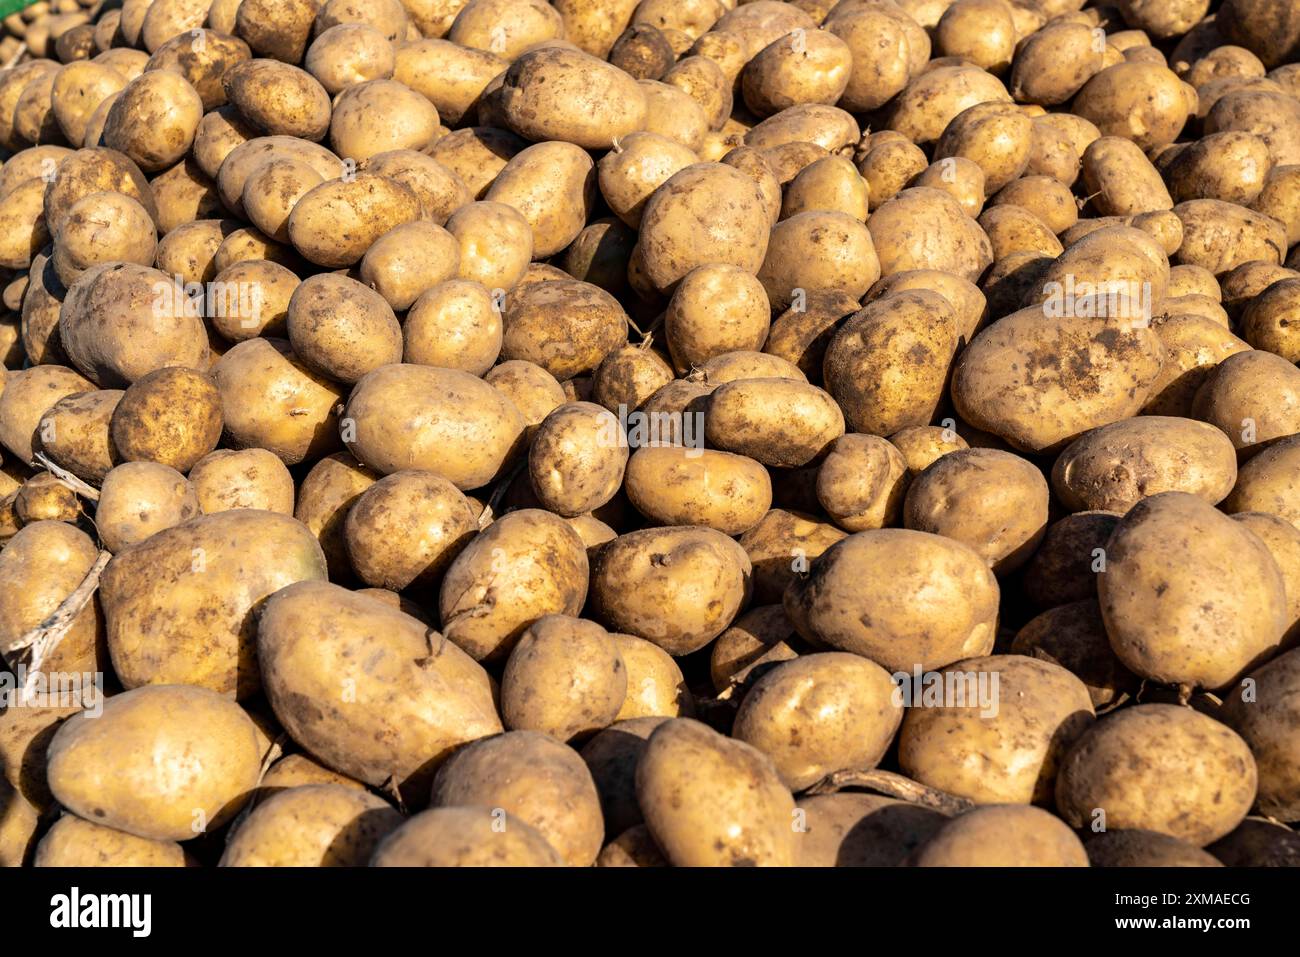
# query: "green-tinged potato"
{"type": "Point", "coordinates": [1005, 382]}
{"type": "Point", "coordinates": [40, 567]}
{"type": "Point", "coordinates": [1143, 102]}
{"type": "Point", "coordinates": [888, 366]}
{"type": "Point", "coordinates": [933, 98]}
{"type": "Point", "coordinates": [1145, 849]}
{"type": "Point", "coordinates": [1263, 711]}
{"type": "Point", "coordinates": [998, 730]}
{"type": "Point", "coordinates": [249, 478]}
{"type": "Point", "coordinates": [314, 825]}
{"type": "Point", "coordinates": [818, 251]}
{"type": "Point", "coordinates": [1268, 483]}
{"type": "Point", "coordinates": [565, 677]}
{"type": "Point", "coordinates": [577, 458]}
{"type": "Point", "coordinates": [121, 321]}
{"type": "Point", "coordinates": [75, 434]}
{"type": "Point", "coordinates": [26, 395]}
{"type": "Point", "coordinates": [370, 691]}
{"type": "Point", "coordinates": [1220, 236]}
{"type": "Point", "coordinates": [410, 260]}
{"type": "Point", "coordinates": [454, 324]}
{"type": "Point", "coordinates": [223, 565]}
{"type": "Point", "coordinates": [1074, 636]}
{"type": "Point", "coordinates": [166, 763]}
{"type": "Point", "coordinates": [655, 685]}
{"type": "Point", "coordinates": [676, 486]}
{"type": "Point", "coordinates": [334, 223]}
{"type": "Point", "coordinates": [379, 116]}
{"type": "Point", "coordinates": [72, 842]}
{"type": "Point", "coordinates": [270, 400]}
{"type": "Point", "coordinates": [1065, 565]}
{"type": "Point", "coordinates": [526, 564]}
{"type": "Point", "coordinates": [140, 499]}
{"type": "Point", "coordinates": [924, 228]}
{"type": "Point", "coordinates": [154, 119]}
{"type": "Point", "coordinates": [993, 501]}
{"type": "Point", "coordinates": [342, 329]}
{"type": "Point", "coordinates": [1010, 835]}
{"type": "Point", "coordinates": [565, 326]}
{"type": "Point", "coordinates": [535, 778]}
{"type": "Point", "coordinates": [904, 599]}
{"type": "Point", "coordinates": [776, 422]}
{"type": "Point", "coordinates": [329, 490]}
{"type": "Point", "coordinates": [443, 420]}
{"type": "Point", "coordinates": [465, 837]}
{"type": "Point", "coordinates": [818, 714]}
{"type": "Point", "coordinates": [862, 482]}
{"type": "Point", "coordinates": [678, 587]}
{"type": "Point", "coordinates": [552, 185]}
{"type": "Point", "coordinates": [496, 244]}
{"type": "Point", "coordinates": [1114, 467]}
{"type": "Point", "coordinates": [405, 529]}
{"type": "Point", "coordinates": [1161, 768]}
{"type": "Point", "coordinates": [349, 54]}
{"type": "Point", "coordinates": [277, 98]}
{"type": "Point", "coordinates": [712, 801]}
{"type": "Point", "coordinates": [171, 416]}
{"type": "Point", "coordinates": [1254, 397]}
{"type": "Point", "coordinates": [1207, 627]}
{"type": "Point", "coordinates": [780, 546]}
{"type": "Point", "coordinates": [850, 829]}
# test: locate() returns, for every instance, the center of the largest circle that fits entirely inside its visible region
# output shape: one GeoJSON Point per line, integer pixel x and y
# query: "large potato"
{"type": "Point", "coordinates": [334, 223]}
{"type": "Point", "coordinates": [561, 94]}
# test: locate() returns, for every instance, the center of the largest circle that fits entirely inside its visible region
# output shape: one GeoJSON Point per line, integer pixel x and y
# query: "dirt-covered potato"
{"type": "Point", "coordinates": [341, 329]}
{"type": "Point", "coordinates": [171, 416]}
{"type": "Point", "coordinates": [1143, 102]}
{"type": "Point", "coordinates": [1137, 848]}
{"type": "Point", "coordinates": [1267, 483]}
{"type": "Point", "coordinates": [1254, 397]}
{"type": "Point", "coordinates": [408, 261]}
{"type": "Point", "coordinates": [74, 434]}
{"type": "Point", "coordinates": [715, 309]}
{"type": "Point", "coordinates": [454, 324]}
{"type": "Point", "coordinates": [535, 778]}
{"type": "Point", "coordinates": [553, 185]}
{"type": "Point", "coordinates": [348, 54]}
{"type": "Point", "coordinates": [565, 326]}
{"type": "Point", "coordinates": [678, 587]}
{"type": "Point", "coordinates": [781, 545]}
{"type": "Point", "coordinates": [249, 478]}
{"type": "Point", "coordinates": [335, 223]}
{"type": "Point", "coordinates": [1160, 768]}
{"type": "Point", "coordinates": [678, 486]}
{"type": "Point", "coordinates": [139, 499]}
{"type": "Point", "coordinates": [713, 801]}
{"type": "Point", "coordinates": [902, 598]}
{"type": "Point", "coordinates": [555, 93]}
{"type": "Point", "coordinates": [314, 825]}
{"type": "Point", "coordinates": [861, 482]}
{"type": "Point", "coordinates": [777, 422]}
{"type": "Point", "coordinates": [72, 842]}
{"type": "Point", "coordinates": [382, 720]}
{"type": "Point", "coordinates": [923, 228]}
{"type": "Point", "coordinates": [1073, 635]}
{"type": "Point", "coordinates": [135, 767]}
{"type": "Point", "coordinates": [379, 116]}
{"type": "Point", "coordinates": [154, 119]}
{"type": "Point", "coordinates": [818, 251]}
{"type": "Point", "coordinates": [1009, 835]}
{"type": "Point", "coordinates": [577, 458]}
{"type": "Point", "coordinates": [465, 837]}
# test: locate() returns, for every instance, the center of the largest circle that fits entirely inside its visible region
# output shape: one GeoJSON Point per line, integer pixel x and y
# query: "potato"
{"type": "Point", "coordinates": [887, 168]}
{"type": "Point", "coordinates": [904, 231]}
{"type": "Point", "coordinates": [1194, 346]}
{"type": "Point", "coordinates": [78, 90]}
{"type": "Point", "coordinates": [405, 529]}
{"type": "Point", "coordinates": [649, 584]}
{"type": "Point", "coordinates": [314, 825]}
{"type": "Point", "coordinates": [800, 336]}
{"type": "Point", "coordinates": [849, 829]}
{"type": "Point", "coordinates": [72, 842]}
{"type": "Point", "coordinates": [552, 185]}
{"type": "Point", "coordinates": [496, 243]}
{"type": "Point", "coordinates": [75, 434]}
{"type": "Point", "coordinates": [342, 329]}
{"type": "Point", "coordinates": [736, 813]}
{"type": "Point", "coordinates": [1054, 63]}
{"type": "Point", "coordinates": [1257, 842]}
{"type": "Point", "coordinates": [1230, 579]}
{"type": "Point", "coordinates": [811, 66]}
{"type": "Point", "coordinates": [780, 545]}
{"type": "Point", "coordinates": [932, 99]}
{"type": "Point", "coordinates": [202, 57]}
{"type": "Point", "coordinates": [1120, 180]}
{"type": "Point", "coordinates": [1012, 230]}
{"type": "Point", "coordinates": [409, 260]}
{"type": "Point", "coordinates": [477, 154]}
{"type": "Point", "coordinates": [40, 567]}
{"type": "Point", "coordinates": [533, 390]}
{"type": "Point", "coordinates": [12, 86]}
{"type": "Point", "coordinates": [19, 824]}
{"type": "Point", "coordinates": [451, 77]}
{"type": "Point", "coordinates": [1144, 849]}
{"type": "Point", "coordinates": [440, 192]}
{"type": "Point", "coordinates": [251, 478]}
{"type": "Point", "coordinates": [527, 564]}
{"type": "Point", "coordinates": [1267, 483]}
{"type": "Point", "coordinates": [379, 116]}
{"type": "Point", "coordinates": [704, 81]}
{"type": "Point", "coordinates": [465, 837]}
{"type": "Point", "coordinates": [1063, 569]}
{"type": "Point", "coordinates": [243, 158]}
{"type": "Point", "coordinates": [154, 120]}
{"type": "Point", "coordinates": [655, 685]}
{"type": "Point", "coordinates": [22, 225]}
{"type": "Point", "coordinates": [1143, 102]}
{"type": "Point", "coordinates": [577, 458]}
{"type": "Point", "coordinates": [25, 396]}
{"type": "Point", "coordinates": [1116, 466]}
{"type": "Point", "coordinates": [565, 326]}
{"type": "Point", "coordinates": [139, 499]}
{"type": "Point", "coordinates": [818, 251]}
{"type": "Point", "coordinates": [1254, 397]}
{"type": "Point", "coordinates": [923, 445]}
{"type": "Point", "coordinates": [878, 391]}
{"type": "Point", "coordinates": [1230, 166]}
{"type": "Point", "coordinates": [881, 49]}
{"type": "Point", "coordinates": [171, 416]}
{"type": "Point", "coordinates": [715, 309]}
{"type": "Point", "coordinates": [936, 602]}
{"type": "Point", "coordinates": [279, 99]}
{"type": "Point", "coordinates": [335, 223]}
{"type": "Point", "coordinates": [273, 189]}
{"type": "Point", "coordinates": [249, 299]}
{"type": "Point", "coordinates": [753, 417]}
{"type": "Point", "coordinates": [505, 27]}
{"type": "Point", "coordinates": [612, 756]}
{"type": "Point", "coordinates": [996, 136]}
{"type": "Point", "coordinates": [437, 404]}
{"type": "Point", "coordinates": [1220, 236]}
{"type": "Point", "coordinates": [1003, 836]}
{"type": "Point", "coordinates": [628, 376]}
{"type": "Point", "coordinates": [134, 768]}
{"type": "Point", "coordinates": [328, 491]}
{"type": "Point", "coordinates": [861, 483]}
{"type": "Point", "coordinates": [189, 250]}
{"type": "Point", "coordinates": [1283, 542]}
{"type": "Point", "coordinates": [719, 490]}
{"type": "Point", "coordinates": [185, 194]}
{"type": "Point", "coordinates": [348, 54]}
{"type": "Point", "coordinates": [43, 497]}
{"type": "Point", "coordinates": [454, 324]}
{"type": "Point", "coordinates": [1278, 199]}
{"type": "Point", "coordinates": [34, 119]}
{"type": "Point", "coordinates": [830, 184]}
{"type": "Point", "coordinates": [1122, 773]}
{"type": "Point", "coordinates": [385, 724]}
{"type": "Point", "coordinates": [1267, 320]}
{"type": "Point", "coordinates": [1073, 636]}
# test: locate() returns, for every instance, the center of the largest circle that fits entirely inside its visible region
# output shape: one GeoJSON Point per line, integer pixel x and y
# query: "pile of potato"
{"type": "Point", "coordinates": [651, 432]}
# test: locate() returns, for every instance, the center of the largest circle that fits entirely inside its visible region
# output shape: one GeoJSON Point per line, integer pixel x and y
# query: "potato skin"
{"type": "Point", "coordinates": [314, 825]}
{"type": "Point", "coordinates": [278, 98]}
{"type": "Point", "coordinates": [731, 808]}
{"type": "Point", "coordinates": [558, 94]}
{"type": "Point", "coordinates": [535, 778]}
{"type": "Point", "coordinates": [1267, 722]}
{"type": "Point", "coordinates": [939, 606]}
{"type": "Point", "coordinates": [77, 433]}
{"type": "Point", "coordinates": [388, 722]}
{"type": "Point", "coordinates": [674, 486]}
{"type": "Point", "coordinates": [437, 405]}
{"type": "Point", "coordinates": [133, 767]}
{"type": "Point", "coordinates": [565, 326]}
{"type": "Point", "coordinates": [72, 842]}
{"type": "Point", "coordinates": [818, 714]}
{"type": "Point", "coordinates": [465, 837]}
{"type": "Point", "coordinates": [577, 458]}
{"type": "Point", "coordinates": [553, 185]}
{"type": "Point", "coordinates": [1003, 836]}
{"type": "Point", "coordinates": [1159, 768]}
{"type": "Point", "coordinates": [648, 583]}
{"type": "Point", "coordinates": [171, 416]}
{"type": "Point", "coordinates": [362, 209]}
